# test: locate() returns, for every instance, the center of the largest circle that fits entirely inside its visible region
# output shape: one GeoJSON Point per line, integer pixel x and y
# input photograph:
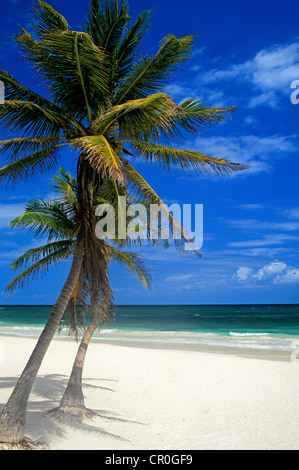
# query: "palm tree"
{"type": "Point", "coordinates": [56, 219]}
{"type": "Point", "coordinates": [109, 103]}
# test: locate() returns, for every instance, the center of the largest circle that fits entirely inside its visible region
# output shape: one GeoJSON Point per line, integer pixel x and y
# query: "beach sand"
{"type": "Point", "coordinates": [160, 399]}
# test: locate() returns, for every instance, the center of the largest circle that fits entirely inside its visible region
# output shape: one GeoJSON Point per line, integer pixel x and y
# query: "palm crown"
{"type": "Point", "coordinates": [56, 220]}
{"type": "Point", "coordinates": [105, 100]}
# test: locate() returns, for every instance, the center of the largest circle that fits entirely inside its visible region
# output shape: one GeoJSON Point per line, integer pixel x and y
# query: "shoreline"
{"type": "Point", "coordinates": [249, 353]}
{"type": "Point", "coordinates": [152, 398]}
{"type": "Point", "coordinates": [270, 354]}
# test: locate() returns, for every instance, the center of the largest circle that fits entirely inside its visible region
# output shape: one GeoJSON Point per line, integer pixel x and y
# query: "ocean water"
{"type": "Point", "coordinates": [265, 327]}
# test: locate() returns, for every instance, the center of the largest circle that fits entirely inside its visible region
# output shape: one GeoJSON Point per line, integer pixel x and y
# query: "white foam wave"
{"type": "Point", "coordinates": [233, 339]}
{"type": "Point", "coordinates": [247, 334]}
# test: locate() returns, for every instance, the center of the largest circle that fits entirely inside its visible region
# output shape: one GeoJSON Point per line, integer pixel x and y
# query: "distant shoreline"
{"type": "Point", "coordinates": [166, 305]}
{"type": "Point", "coordinates": [256, 353]}
{"type": "Point", "coordinates": [257, 331]}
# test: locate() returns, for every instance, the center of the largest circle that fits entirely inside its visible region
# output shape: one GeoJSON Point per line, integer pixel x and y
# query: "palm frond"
{"type": "Point", "coordinates": [12, 148]}
{"type": "Point", "coordinates": [40, 252]}
{"type": "Point", "coordinates": [127, 50]}
{"type": "Point", "coordinates": [45, 19]}
{"type": "Point", "coordinates": [106, 23]}
{"type": "Point", "coordinates": [144, 118]}
{"type": "Point", "coordinates": [77, 309]}
{"type": "Point", "coordinates": [46, 218]}
{"type": "Point", "coordinates": [70, 57]}
{"type": "Point", "coordinates": [194, 116]}
{"type": "Point", "coordinates": [31, 118]}
{"type": "Point", "coordinates": [14, 90]}
{"type": "Point", "coordinates": [135, 265]}
{"type": "Point", "coordinates": [188, 161]}
{"type": "Point", "coordinates": [29, 166]}
{"type": "Point", "coordinates": [65, 185]}
{"type": "Point", "coordinates": [142, 188]}
{"type": "Point", "coordinates": [150, 75]}
{"type": "Point", "coordinates": [101, 156]}
{"type": "Point", "coordinates": [37, 269]}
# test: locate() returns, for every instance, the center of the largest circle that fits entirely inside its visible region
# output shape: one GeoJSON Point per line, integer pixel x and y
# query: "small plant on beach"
{"type": "Point", "coordinates": [109, 104]}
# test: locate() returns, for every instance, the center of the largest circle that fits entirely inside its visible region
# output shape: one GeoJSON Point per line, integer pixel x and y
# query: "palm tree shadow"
{"type": "Point", "coordinates": [49, 429]}
{"type": "Point", "coordinates": [49, 388]}
{"type": "Point", "coordinates": [114, 417]}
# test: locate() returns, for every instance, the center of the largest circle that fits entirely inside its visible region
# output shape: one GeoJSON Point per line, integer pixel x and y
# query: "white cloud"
{"type": "Point", "coordinates": [260, 252]}
{"type": "Point", "coordinates": [179, 277]}
{"type": "Point", "coordinates": [258, 152]}
{"type": "Point", "coordinates": [254, 225]}
{"type": "Point", "coordinates": [8, 212]}
{"type": "Point", "coordinates": [244, 273]}
{"type": "Point", "coordinates": [270, 72]}
{"type": "Point", "coordinates": [289, 277]}
{"type": "Point", "coordinates": [292, 213]}
{"type": "Point", "coordinates": [251, 206]}
{"type": "Point", "coordinates": [270, 240]}
{"type": "Point", "coordinates": [268, 98]}
{"type": "Point", "coordinates": [270, 270]}
{"type": "Point", "coordinates": [276, 272]}
{"type": "Point", "coordinates": [276, 67]}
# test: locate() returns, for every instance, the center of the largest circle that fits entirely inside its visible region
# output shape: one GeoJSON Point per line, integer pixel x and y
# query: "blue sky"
{"type": "Point", "coordinates": [246, 54]}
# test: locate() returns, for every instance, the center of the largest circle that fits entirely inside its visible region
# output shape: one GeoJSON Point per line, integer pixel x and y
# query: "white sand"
{"type": "Point", "coordinates": [161, 399]}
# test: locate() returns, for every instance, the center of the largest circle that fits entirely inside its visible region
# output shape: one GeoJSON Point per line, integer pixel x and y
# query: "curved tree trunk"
{"type": "Point", "coordinates": [72, 402]}
{"type": "Point", "coordinates": [73, 395]}
{"type": "Point", "coordinates": [13, 416]}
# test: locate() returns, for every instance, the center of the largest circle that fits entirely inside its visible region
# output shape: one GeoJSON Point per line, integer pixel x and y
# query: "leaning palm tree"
{"type": "Point", "coordinates": [109, 103]}
{"type": "Point", "coordinates": [56, 220]}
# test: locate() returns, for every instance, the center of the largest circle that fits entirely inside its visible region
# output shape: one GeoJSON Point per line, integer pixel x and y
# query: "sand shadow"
{"type": "Point", "coordinates": [49, 388]}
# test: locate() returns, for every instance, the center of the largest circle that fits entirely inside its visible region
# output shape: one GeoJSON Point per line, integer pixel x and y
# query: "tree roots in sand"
{"type": "Point", "coordinates": [26, 444]}
{"type": "Point", "coordinates": [71, 414]}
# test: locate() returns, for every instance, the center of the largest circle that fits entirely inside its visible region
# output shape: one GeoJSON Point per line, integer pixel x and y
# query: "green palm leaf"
{"type": "Point", "coordinates": [102, 157]}
{"type": "Point", "coordinates": [29, 166]}
{"type": "Point", "coordinates": [187, 160]}
{"type": "Point", "coordinates": [20, 145]}
{"type": "Point", "coordinates": [46, 19]}
{"type": "Point", "coordinates": [141, 186]}
{"type": "Point", "coordinates": [46, 218]}
{"type": "Point", "coordinates": [36, 254]}
{"type": "Point", "coordinates": [64, 184]}
{"type": "Point", "coordinates": [30, 117]}
{"type": "Point", "coordinates": [126, 52]}
{"type": "Point", "coordinates": [193, 115]}
{"type": "Point", "coordinates": [150, 75]}
{"type": "Point", "coordinates": [134, 263]}
{"type": "Point", "coordinates": [106, 23]}
{"type": "Point", "coordinates": [14, 90]}
{"type": "Point", "coordinates": [70, 57]}
{"type": "Point", "coordinates": [145, 118]}
{"type": "Point", "coordinates": [40, 267]}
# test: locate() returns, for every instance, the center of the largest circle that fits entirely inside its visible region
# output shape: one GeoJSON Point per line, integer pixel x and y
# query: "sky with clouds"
{"type": "Point", "coordinates": [246, 54]}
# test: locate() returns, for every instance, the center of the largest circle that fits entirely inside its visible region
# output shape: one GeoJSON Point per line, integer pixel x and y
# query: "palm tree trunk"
{"type": "Point", "coordinates": [73, 395]}
{"type": "Point", "coordinates": [13, 416]}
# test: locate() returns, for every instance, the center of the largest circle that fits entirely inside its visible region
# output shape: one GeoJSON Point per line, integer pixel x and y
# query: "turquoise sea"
{"type": "Point", "coordinates": [237, 326]}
